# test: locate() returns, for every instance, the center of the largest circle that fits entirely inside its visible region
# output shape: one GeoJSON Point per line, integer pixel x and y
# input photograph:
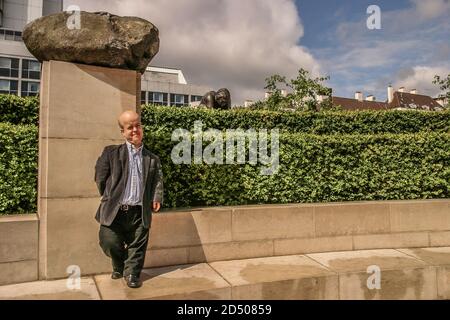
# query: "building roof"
{"type": "Point", "coordinates": [161, 70]}
{"type": "Point", "coordinates": [401, 100]}
{"type": "Point", "coordinates": [354, 104]}
{"type": "Point", "coordinates": [414, 101]}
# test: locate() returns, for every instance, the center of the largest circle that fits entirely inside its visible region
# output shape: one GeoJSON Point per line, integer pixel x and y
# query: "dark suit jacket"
{"type": "Point", "coordinates": [111, 173]}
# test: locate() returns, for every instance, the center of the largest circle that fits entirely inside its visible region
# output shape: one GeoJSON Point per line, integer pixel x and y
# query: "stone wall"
{"type": "Point", "coordinates": [18, 248]}
{"type": "Point", "coordinates": [227, 233]}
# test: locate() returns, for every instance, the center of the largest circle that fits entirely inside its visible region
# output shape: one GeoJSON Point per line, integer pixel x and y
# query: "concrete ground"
{"type": "Point", "coordinates": [367, 274]}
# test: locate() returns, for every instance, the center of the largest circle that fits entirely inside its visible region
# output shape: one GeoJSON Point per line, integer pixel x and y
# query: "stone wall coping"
{"type": "Point", "coordinates": [19, 218]}
{"type": "Point", "coordinates": [303, 204]}
{"type": "Point", "coordinates": [34, 216]}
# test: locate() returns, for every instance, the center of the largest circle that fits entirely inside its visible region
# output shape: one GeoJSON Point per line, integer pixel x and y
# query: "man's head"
{"type": "Point", "coordinates": [130, 127]}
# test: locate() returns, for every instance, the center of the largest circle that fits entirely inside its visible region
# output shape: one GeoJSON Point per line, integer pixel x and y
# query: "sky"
{"type": "Point", "coordinates": [237, 44]}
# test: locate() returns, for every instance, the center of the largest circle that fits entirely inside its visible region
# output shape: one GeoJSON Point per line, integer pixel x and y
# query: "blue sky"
{"type": "Point", "coordinates": [412, 43]}
{"type": "Point", "coordinates": [321, 17]}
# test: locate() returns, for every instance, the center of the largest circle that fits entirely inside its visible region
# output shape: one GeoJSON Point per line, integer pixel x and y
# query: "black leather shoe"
{"type": "Point", "coordinates": [133, 281]}
{"type": "Point", "coordinates": [116, 275]}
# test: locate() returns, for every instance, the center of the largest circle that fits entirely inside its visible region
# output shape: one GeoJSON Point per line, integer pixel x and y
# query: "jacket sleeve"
{"type": "Point", "coordinates": [158, 183]}
{"type": "Point", "coordinates": [102, 171]}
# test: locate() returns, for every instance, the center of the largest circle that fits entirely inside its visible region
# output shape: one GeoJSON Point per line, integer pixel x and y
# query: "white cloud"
{"type": "Point", "coordinates": [421, 78]}
{"type": "Point", "coordinates": [432, 8]}
{"type": "Point", "coordinates": [379, 53]}
{"type": "Point", "coordinates": [222, 43]}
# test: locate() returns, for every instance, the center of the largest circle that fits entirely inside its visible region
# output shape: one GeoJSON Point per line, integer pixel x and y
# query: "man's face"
{"type": "Point", "coordinates": [132, 131]}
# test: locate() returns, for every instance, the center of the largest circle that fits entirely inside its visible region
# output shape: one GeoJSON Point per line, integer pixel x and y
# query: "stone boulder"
{"type": "Point", "coordinates": [100, 39]}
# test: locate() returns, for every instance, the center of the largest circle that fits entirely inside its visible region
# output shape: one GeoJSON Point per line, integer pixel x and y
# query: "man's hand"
{"type": "Point", "coordinates": [156, 206]}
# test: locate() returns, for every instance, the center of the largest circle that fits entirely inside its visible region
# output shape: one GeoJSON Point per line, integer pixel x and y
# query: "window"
{"type": "Point", "coordinates": [143, 97]}
{"type": "Point", "coordinates": [196, 98]}
{"type": "Point", "coordinates": [179, 100]}
{"type": "Point", "coordinates": [34, 66]}
{"type": "Point", "coordinates": [8, 86]}
{"type": "Point", "coordinates": [31, 69]}
{"type": "Point", "coordinates": [29, 88]}
{"type": "Point", "coordinates": [158, 98]}
{"type": "Point", "coordinates": [17, 36]}
{"type": "Point", "coordinates": [4, 85]}
{"type": "Point", "coordinates": [5, 63]}
{"type": "Point", "coordinates": [10, 35]}
{"type": "Point", "coordinates": [9, 67]}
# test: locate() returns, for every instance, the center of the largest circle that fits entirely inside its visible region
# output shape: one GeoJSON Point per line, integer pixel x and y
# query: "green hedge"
{"type": "Point", "coordinates": [18, 168]}
{"type": "Point", "coordinates": [312, 169]}
{"type": "Point", "coordinates": [319, 161]}
{"type": "Point", "coordinates": [18, 110]}
{"type": "Point", "coordinates": [344, 122]}
{"type": "Point", "coordinates": [316, 168]}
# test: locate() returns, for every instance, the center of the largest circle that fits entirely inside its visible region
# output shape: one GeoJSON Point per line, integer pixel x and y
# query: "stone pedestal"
{"type": "Point", "coordinates": [78, 118]}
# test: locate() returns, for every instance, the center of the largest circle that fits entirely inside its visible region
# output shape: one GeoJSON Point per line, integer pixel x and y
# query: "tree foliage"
{"type": "Point", "coordinates": [303, 93]}
{"type": "Point", "coordinates": [444, 85]}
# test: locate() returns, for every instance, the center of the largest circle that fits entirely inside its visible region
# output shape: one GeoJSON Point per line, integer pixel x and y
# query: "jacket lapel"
{"type": "Point", "coordinates": [123, 156]}
{"type": "Point", "coordinates": [147, 164]}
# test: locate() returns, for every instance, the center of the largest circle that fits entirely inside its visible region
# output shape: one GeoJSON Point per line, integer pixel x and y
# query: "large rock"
{"type": "Point", "coordinates": [103, 39]}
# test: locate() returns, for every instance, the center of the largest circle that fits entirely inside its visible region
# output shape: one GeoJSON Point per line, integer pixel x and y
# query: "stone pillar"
{"type": "Point", "coordinates": [78, 118]}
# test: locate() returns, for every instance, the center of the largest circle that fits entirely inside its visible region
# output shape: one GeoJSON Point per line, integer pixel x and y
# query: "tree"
{"type": "Point", "coordinates": [304, 93]}
{"type": "Point", "coordinates": [444, 85]}
{"type": "Point", "coordinates": [276, 99]}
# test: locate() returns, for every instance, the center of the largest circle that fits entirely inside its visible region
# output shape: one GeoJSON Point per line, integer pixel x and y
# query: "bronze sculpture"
{"type": "Point", "coordinates": [217, 100]}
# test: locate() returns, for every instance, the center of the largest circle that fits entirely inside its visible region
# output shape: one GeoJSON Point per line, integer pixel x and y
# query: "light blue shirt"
{"type": "Point", "coordinates": [133, 189]}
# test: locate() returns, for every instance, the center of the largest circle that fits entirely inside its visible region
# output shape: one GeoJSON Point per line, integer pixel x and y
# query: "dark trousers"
{"type": "Point", "coordinates": [125, 242]}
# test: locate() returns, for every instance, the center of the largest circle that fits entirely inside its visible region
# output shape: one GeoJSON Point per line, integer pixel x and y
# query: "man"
{"type": "Point", "coordinates": [130, 181]}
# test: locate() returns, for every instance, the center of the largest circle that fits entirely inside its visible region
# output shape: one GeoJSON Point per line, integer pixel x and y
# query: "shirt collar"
{"type": "Point", "coordinates": [133, 149]}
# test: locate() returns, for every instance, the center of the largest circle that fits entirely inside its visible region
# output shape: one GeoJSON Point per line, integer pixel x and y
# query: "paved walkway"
{"type": "Point", "coordinates": [402, 274]}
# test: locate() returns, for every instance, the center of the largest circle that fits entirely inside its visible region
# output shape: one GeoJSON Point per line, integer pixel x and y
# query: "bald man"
{"type": "Point", "coordinates": [129, 179]}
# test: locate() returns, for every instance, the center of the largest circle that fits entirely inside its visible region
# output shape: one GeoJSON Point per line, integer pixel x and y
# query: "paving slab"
{"type": "Point", "coordinates": [51, 290]}
{"type": "Point", "coordinates": [194, 281]}
{"type": "Point", "coordinates": [439, 257]}
{"type": "Point", "coordinates": [418, 274]}
{"type": "Point", "coordinates": [354, 261]}
{"type": "Point", "coordinates": [380, 274]}
{"type": "Point", "coordinates": [284, 277]}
